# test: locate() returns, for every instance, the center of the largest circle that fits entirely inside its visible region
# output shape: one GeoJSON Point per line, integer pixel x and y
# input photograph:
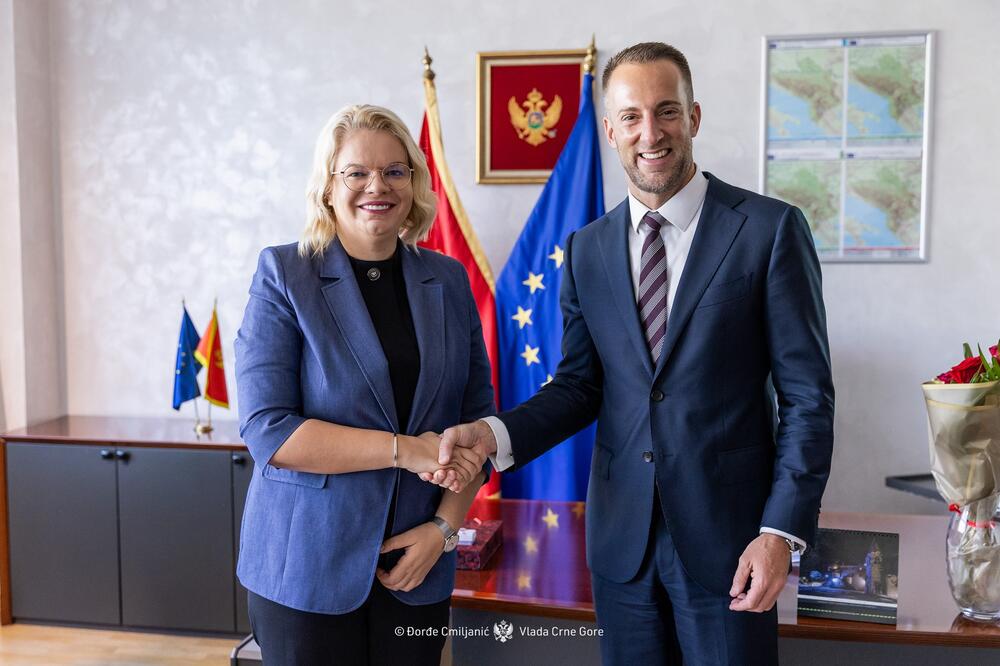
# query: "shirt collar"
{"type": "Point", "coordinates": [679, 209]}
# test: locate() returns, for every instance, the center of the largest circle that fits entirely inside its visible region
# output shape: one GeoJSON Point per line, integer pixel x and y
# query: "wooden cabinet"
{"type": "Point", "coordinates": [127, 533]}
{"type": "Point", "coordinates": [63, 528]}
{"type": "Point", "coordinates": [175, 516]}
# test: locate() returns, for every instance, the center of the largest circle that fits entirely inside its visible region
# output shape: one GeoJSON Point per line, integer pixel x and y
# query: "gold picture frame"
{"type": "Point", "coordinates": [501, 155]}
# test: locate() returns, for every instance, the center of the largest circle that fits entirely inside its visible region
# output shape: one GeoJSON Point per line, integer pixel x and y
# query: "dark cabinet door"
{"type": "Point", "coordinates": [63, 533]}
{"type": "Point", "coordinates": [242, 473]}
{"type": "Point", "coordinates": [176, 513]}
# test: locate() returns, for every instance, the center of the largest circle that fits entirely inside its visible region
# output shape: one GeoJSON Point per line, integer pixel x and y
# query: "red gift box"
{"type": "Point", "coordinates": [489, 537]}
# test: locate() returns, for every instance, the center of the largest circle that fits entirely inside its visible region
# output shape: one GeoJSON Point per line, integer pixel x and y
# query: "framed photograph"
{"type": "Point", "coordinates": [851, 575]}
{"type": "Point", "coordinates": [845, 130]}
{"type": "Point", "coordinates": [526, 105]}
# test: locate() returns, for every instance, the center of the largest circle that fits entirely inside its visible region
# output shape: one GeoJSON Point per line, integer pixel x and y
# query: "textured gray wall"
{"type": "Point", "coordinates": [184, 134]}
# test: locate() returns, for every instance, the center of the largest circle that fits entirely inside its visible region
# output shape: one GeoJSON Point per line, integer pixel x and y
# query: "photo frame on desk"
{"type": "Point", "coordinates": [526, 105]}
{"type": "Point", "coordinates": [851, 575]}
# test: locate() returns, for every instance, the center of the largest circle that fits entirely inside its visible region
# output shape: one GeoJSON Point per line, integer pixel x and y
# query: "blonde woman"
{"type": "Point", "coordinates": [355, 348]}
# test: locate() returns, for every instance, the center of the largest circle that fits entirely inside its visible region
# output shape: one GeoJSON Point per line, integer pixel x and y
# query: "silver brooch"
{"type": "Point", "coordinates": [374, 273]}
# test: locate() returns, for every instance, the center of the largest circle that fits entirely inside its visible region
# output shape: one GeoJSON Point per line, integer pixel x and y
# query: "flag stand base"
{"type": "Point", "coordinates": [203, 428]}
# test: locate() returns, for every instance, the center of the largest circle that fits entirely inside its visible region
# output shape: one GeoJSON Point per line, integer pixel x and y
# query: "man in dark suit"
{"type": "Point", "coordinates": [678, 307]}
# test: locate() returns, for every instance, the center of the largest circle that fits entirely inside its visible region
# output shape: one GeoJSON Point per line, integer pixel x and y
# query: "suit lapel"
{"type": "Point", "coordinates": [351, 315]}
{"type": "Point", "coordinates": [614, 251]}
{"type": "Point", "coordinates": [426, 296]}
{"type": "Point", "coordinates": [717, 228]}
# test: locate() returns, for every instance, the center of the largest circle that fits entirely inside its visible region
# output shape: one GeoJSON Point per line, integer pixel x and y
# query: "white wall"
{"type": "Point", "coordinates": [12, 386]}
{"type": "Point", "coordinates": [185, 132]}
{"type": "Point", "coordinates": [32, 377]}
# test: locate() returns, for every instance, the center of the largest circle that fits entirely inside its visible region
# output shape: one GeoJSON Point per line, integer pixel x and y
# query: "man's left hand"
{"type": "Point", "coordinates": [765, 562]}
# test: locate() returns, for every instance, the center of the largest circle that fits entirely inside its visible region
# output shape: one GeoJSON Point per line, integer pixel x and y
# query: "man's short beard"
{"type": "Point", "coordinates": [674, 178]}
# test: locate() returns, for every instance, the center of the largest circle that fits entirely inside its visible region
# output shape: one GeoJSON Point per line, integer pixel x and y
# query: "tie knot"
{"type": "Point", "coordinates": [653, 220]}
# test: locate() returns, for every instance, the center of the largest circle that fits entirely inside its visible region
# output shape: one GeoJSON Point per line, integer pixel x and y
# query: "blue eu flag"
{"type": "Point", "coordinates": [187, 366]}
{"type": "Point", "coordinates": [528, 316]}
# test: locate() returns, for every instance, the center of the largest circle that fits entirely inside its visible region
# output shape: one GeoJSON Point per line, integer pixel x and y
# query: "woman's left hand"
{"type": "Point", "coordinates": [424, 544]}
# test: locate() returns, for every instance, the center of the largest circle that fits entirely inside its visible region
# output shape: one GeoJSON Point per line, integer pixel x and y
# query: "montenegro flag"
{"type": "Point", "coordinates": [209, 354]}
{"type": "Point", "coordinates": [453, 235]}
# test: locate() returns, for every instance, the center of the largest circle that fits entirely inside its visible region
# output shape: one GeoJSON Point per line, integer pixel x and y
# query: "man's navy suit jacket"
{"type": "Point", "coordinates": [749, 306]}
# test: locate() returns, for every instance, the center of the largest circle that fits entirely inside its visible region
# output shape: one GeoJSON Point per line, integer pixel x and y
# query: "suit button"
{"type": "Point", "coordinates": [647, 456]}
{"type": "Point", "coordinates": [656, 395]}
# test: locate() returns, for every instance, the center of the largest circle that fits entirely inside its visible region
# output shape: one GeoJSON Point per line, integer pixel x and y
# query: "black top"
{"type": "Point", "coordinates": [384, 291]}
{"type": "Point", "coordinates": [382, 286]}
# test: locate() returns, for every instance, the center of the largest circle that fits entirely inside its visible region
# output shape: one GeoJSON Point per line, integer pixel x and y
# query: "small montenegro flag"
{"type": "Point", "coordinates": [209, 354]}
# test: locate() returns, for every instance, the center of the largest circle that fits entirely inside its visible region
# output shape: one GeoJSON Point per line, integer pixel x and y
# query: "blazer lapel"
{"type": "Point", "coordinates": [717, 228]}
{"type": "Point", "coordinates": [614, 245]}
{"type": "Point", "coordinates": [351, 315]}
{"type": "Point", "coordinates": [426, 296]}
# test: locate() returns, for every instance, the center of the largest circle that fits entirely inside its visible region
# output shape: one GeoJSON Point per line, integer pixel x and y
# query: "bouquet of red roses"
{"type": "Point", "coordinates": [963, 410]}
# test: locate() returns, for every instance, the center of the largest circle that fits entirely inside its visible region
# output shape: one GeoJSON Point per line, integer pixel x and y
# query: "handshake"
{"type": "Point", "coordinates": [452, 459]}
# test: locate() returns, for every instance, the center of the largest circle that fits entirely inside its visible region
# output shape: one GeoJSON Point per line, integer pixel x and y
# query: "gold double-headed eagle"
{"type": "Point", "coordinates": [534, 124]}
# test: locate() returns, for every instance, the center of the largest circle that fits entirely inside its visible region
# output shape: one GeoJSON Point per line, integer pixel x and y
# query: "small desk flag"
{"type": "Point", "coordinates": [209, 352]}
{"type": "Point", "coordinates": [187, 366]}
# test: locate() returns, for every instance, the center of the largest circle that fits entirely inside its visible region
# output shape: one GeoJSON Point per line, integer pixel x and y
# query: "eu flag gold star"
{"type": "Point", "coordinates": [548, 378]}
{"type": "Point", "coordinates": [534, 282]}
{"type": "Point", "coordinates": [524, 581]}
{"type": "Point", "coordinates": [530, 354]}
{"type": "Point", "coordinates": [522, 317]}
{"type": "Point", "coordinates": [580, 509]}
{"type": "Point", "coordinates": [550, 518]}
{"type": "Point", "coordinates": [530, 544]}
{"type": "Point", "coordinates": [557, 256]}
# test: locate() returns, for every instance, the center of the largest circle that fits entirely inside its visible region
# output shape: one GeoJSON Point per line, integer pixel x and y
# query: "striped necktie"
{"type": "Point", "coordinates": [653, 285]}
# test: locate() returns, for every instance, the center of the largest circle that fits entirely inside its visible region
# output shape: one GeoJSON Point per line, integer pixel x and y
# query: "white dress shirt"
{"type": "Point", "coordinates": [682, 212]}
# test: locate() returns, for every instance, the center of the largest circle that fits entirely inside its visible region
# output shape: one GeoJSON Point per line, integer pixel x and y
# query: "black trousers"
{"type": "Point", "coordinates": [368, 635]}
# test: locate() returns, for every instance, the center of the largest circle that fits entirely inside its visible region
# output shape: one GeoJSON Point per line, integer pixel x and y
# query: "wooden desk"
{"type": "Point", "coordinates": [131, 431]}
{"type": "Point", "coordinates": [541, 571]}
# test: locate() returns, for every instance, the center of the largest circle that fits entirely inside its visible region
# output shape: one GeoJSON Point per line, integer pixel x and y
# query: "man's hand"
{"type": "Point", "coordinates": [471, 440]}
{"type": "Point", "coordinates": [765, 561]}
{"type": "Point", "coordinates": [420, 456]}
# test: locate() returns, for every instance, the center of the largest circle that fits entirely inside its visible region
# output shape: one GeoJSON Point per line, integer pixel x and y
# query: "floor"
{"type": "Point", "coordinates": [35, 645]}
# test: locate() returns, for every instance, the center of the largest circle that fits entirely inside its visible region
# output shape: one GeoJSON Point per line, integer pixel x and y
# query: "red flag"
{"type": "Point", "coordinates": [209, 354]}
{"type": "Point", "coordinates": [453, 235]}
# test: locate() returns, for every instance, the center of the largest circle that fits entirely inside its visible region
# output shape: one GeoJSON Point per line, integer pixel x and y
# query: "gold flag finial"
{"type": "Point", "coordinates": [428, 72]}
{"type": "Point", "coordinates": [591, 59]}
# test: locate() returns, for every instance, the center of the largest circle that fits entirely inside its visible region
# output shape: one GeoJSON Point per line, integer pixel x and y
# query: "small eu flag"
{"type": "Point", "coordinates": [187, 366]}
{"type": "Point", "coordinates": [529, 321]}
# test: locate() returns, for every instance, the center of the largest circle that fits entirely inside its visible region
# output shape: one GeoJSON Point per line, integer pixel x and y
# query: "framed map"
{"type": "Point", "coordinates": [844, 136]}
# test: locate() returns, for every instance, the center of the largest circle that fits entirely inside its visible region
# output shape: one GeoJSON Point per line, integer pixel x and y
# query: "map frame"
{"type": "Point", "coordinates": [850, 143]}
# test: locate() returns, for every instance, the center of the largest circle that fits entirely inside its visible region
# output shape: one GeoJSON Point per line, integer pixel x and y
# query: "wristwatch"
{"type": "Point", "coordinates": [793, 547]}
{"type": "Point", "coordinates": [450, 535]}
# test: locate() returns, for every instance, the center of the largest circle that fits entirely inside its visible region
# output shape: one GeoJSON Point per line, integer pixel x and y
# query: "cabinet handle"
{"type": "Point", "coordinates": [122, 455]}
{"type": "Point", "coordinates": [106, 454]}
{"type": "Point", "coordinates": [238, 459]}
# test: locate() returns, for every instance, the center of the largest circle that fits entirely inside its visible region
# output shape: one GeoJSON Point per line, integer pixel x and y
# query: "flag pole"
{"type": "Point", "coordinates": [197, 418]}
{"type": "Point", "coordinates": [205, 428]}
{"type": "Point", "coordinates": [591, 60]}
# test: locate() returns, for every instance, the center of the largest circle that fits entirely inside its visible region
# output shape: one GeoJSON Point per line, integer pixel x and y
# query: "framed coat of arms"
{"type": "Point", "coordinates": [526, 105]}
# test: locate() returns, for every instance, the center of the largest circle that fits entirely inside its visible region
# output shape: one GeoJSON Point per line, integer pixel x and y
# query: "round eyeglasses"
{"type": "Point", "coordinates": [358, 177]}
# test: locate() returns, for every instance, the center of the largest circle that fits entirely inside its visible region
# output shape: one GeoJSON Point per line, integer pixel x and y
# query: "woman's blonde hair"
{"type": "Point", "coordinates": [321, 221]}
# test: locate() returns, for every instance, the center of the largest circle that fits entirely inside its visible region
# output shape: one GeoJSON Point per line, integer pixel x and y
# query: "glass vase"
{"type": "Point", "coordinates": [973, 552]}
